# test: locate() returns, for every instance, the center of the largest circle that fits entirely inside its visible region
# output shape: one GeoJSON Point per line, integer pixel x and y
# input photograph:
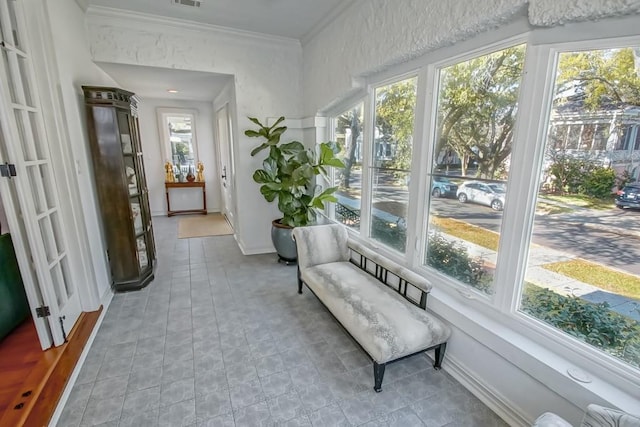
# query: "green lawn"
{"type": "Point", "coordinates": [468, 232]}
{"type": "Point", "coordinates": [598, 275]}
{"type": "Point", "coordinates": [581, 201]}
{"type": "Point", "coordinates": [578, 269]}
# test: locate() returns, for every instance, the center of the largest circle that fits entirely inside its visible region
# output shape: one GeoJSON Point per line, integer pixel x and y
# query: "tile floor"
{"type": "Point", "coordinates": [222, 339]}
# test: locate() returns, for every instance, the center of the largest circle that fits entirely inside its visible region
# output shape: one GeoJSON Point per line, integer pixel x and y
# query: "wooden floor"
{"type": "Point", "coordinates": [32, 380]}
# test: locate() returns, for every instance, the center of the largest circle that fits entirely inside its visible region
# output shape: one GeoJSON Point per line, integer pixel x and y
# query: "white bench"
{"type": "Point", "coordinates": [381, 304]}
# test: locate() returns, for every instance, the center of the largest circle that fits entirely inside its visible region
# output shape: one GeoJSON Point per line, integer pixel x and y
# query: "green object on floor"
{"type": "Point", "coordinates": [14, 307]}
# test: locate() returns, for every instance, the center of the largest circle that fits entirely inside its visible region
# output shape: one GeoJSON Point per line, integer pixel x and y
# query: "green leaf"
{"type": "Point", "coordinates": [258, 149]}
{"type": "Point", "coordinates": [268, 193]}
{"type": "Point", "coordinates": [256, 121]}
{"type": "Point", "coordinates": [270, 167]}
{"type": "Point", "coordinates": [336, 163]}
{"type": "Point", "coordinates": [277, 123]}
{"type": "Point", "coordinates": [251, 133]}
{"type": "Point", "coordinates": [292, 147]}
{"type": "Point", "coordinates": [261, 177]}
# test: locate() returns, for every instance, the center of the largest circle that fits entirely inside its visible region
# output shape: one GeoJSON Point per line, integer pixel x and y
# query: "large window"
{"type": "Point", "coordinates": [582, 273]}
{"type": "Point", "coordinates": [391, 156]}
{"type": "Point", "coordinates": [514, 207]}
{"type": "Point", "coordinates": [347, 133]}
{"type": "Point", "coordinates": [476, 113]}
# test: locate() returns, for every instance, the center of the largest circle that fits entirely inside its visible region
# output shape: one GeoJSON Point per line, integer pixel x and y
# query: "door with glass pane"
{"type": "Point", "coordinates": [25, 145]}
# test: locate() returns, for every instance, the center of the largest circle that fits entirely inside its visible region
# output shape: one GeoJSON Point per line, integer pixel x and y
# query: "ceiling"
{"type": "Point", "coordinates": [285, 18]}
{"type": "Point", "coordinates": [152, 82]}
{"type": "Point", "coordinates": [295, 19]}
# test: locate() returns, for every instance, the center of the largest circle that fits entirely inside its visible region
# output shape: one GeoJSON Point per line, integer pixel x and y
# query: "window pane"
{"type": "Point", "coordinates": [392, 147]}
{"type": "Point", "coordinates": [477, 104]}
{"type": "Point", "coordinates": [348, 134]}
{"type": "Point", "coordinates": [181, 139]}
{"type": "Point", "coordinates": [583, 275]}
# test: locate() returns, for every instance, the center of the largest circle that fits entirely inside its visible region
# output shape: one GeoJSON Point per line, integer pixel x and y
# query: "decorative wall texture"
{"type": "Point", "coordinates": [268, 83]}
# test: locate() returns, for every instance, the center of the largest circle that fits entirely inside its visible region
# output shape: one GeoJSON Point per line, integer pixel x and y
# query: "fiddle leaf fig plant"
{"type": "Point", "coordinates": [288, 173]}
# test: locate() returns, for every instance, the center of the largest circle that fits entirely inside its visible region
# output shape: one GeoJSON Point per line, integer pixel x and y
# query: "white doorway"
{"type": "Point", "coordinates": [225, 138]}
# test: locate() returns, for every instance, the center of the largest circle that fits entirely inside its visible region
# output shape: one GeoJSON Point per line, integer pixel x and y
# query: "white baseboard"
{"type": "Point", "coordinates": [105, 302]}
{"type": "Point", "coordinates": [255, 250]}
{"type": "Point", "coordinates": [504, 408]}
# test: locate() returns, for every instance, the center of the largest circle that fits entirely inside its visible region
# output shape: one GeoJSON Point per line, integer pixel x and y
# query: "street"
{"type": "Point", "coordinates": [569, 233]}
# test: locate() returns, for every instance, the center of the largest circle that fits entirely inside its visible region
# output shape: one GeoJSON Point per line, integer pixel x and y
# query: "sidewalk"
{"type": "Point", "coordinates": [619, 222]}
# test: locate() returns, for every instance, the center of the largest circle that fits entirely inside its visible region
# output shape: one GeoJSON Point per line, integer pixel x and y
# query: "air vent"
{"type": "Point", "coordinates": [192, 3]}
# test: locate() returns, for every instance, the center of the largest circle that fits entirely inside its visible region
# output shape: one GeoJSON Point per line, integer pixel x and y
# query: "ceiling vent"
{"type": "Point", "coordinates": [191, 3]}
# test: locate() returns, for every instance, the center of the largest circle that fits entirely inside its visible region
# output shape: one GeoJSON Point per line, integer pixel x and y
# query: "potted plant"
{"type": "Point", "coordinates": [288, 174]}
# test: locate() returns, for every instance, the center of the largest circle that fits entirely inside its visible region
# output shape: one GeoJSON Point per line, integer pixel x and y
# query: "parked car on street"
{"type": "Point", "coordinates": [443, 187]}
{"type": "Point", "coordinates": [488, 194]}
{"type": "Point", "coordinates": [629, 197]}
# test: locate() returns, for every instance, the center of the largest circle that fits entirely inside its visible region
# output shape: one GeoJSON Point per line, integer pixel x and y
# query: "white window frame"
{"type": "Point", "coordinates": [165, 144]}
{"type": "Point", "coordinates": [501, 308]}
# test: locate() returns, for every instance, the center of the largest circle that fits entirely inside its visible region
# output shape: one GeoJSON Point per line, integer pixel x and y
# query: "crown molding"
{"type": "Point", "coordinates": [330, 17]}
{"type": "Point", "coordinates": [125, 17]}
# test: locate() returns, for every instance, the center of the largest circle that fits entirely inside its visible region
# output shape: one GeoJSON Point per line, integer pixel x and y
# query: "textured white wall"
{"type": "Point", "coordinates": [373, 34]}
{"type": "Point", "coordinates": [76, 69]}
{"type": "Point", "coordinates": [154, 156]}
{"type": "Point", "coordinates": [268, 81]}
{"type": "Point", "coordinates": [553, 12]}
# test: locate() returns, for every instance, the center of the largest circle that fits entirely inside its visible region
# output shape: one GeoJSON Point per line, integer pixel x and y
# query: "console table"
{"type": "Point", "coordinates": [195, 184]}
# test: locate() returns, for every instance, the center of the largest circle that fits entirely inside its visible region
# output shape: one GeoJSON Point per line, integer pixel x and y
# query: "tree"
{"type": "Point", "coordinates": [477, 108]}
{"type": "Point", "coordinates": [395, 105]}
{"type": "Point", "coordinates": [599, 78]}
{"type": "Point", "coordinates": [351, 120]}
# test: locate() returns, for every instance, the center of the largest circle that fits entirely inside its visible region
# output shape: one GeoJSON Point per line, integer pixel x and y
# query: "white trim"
{"type": "Point", "coordinates": [105, 302]}
{"type": "Point", "coordinates": [164, 139]}
{"type": "Point", "coordinates": [118, 17]}
{"type": "Point", "coordinates": [490, 396]}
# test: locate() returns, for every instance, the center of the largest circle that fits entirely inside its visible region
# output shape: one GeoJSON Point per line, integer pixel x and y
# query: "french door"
{"type": "Point", "coordinates": [29, 192]}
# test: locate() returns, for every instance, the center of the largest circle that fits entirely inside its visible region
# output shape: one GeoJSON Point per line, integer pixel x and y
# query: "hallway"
{"type": "Point", "coordinates": [223, 339]}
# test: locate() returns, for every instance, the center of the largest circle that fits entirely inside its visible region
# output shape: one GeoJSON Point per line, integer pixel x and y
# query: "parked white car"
{"type": "Point", "coordinates": [484, 193]}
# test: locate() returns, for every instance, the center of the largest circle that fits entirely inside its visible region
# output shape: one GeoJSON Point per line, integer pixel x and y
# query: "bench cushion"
{"type": "Point", "coordinates": [382, 321]}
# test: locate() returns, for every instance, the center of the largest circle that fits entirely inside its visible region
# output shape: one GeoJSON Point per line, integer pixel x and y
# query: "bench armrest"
{"type": "Point", "coordinates": [398, 270]}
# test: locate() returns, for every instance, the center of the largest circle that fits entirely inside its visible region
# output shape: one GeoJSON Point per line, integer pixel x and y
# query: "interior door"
{"type": "Point", "coordinates": [226, 164]}
{"type": "Point", "coordinates": [24, 144]}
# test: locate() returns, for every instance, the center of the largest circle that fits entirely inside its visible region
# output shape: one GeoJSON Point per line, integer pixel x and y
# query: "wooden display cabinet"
{"type": "Point", "coordinates": [118, 167]}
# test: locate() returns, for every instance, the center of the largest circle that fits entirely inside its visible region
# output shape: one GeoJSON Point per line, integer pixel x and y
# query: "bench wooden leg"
{"type": "Point", "coordinates": [439, 356]}
{"type": "Point", "coordinates": [378, 374]}
{"type": "Point", "coordinates": [299, 282]}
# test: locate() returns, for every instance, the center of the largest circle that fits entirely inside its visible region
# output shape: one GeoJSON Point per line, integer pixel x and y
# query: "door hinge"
{"type": "Point", "coordinates": [8, 170]}
{"type": "Point", "coordinates": [43, 311]}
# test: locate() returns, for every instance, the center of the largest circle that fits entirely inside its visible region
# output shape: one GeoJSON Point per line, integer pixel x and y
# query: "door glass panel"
{"type": "Point", "coordinates": [137, 215]}
{"type": "Point", "coordinates": [57, 233]}
{"type": "Point", "coordinates": [348, 134]}
{"type": "Point", "coordinates": [130, 171]}
{"type": "Point", "coordinates": [49, 189]}
{"type": "Point", "coordinates": [58, 285]}
{"type": "Point", "coordinates": [66, 277]}
{"type": "Point", "coordinates": [22, 135]}
{"type": "Point", "coordinates": [23, 69]}
{"type": "Point", "coordinates": [392, 149]}
{"type": "Point", "coordinates": [10, 84]}
{"type": "Point", "coordinates": [39, 139]}
{"type": "Point", "coordinates": [37, 190]}
{"type": "Point", "coordinates": [14, 39]}
{"type": "Point", "coordinates": [46, 233]}
{"type": "Point", "coordinates": [476, 113]}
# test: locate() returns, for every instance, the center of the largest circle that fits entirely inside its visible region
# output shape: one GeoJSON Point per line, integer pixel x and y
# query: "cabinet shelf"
{"type": "Point", "coordinates": [118, 168]}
